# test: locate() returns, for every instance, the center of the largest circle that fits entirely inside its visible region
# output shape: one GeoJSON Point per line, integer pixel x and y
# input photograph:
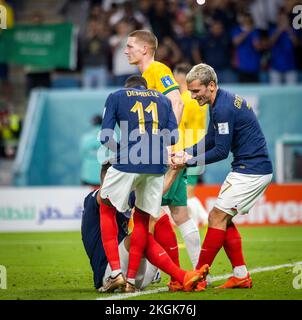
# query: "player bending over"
{"type": "Point", "coordinates": [147, 125]}
{"type": "Point", "coordinates": [233, 127]}
{"type": "Point", "coordinates": [164, 239]}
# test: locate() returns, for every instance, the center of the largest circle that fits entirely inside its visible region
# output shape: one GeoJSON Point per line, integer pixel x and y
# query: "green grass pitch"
{"type": "Point", "coordinates": [53, 266]}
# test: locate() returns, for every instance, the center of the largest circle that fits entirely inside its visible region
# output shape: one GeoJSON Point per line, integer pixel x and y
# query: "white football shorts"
{"type": "Point", "coordinates": [239, 192]}
{"type": "Point", "coordinates": [145, 273]}
{"type": "Point", "coordinates": [148, 188]}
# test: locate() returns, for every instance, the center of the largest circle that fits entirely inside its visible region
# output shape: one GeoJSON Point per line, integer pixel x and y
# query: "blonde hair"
{"type": "Point", "coordinates": [202, 72]}
{"type": "Point", "coordinates": [145, 36]}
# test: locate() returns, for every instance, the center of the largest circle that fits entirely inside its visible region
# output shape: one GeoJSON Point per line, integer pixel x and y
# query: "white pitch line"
{"type": "Point", "coordinates": [135, 294]}
{"type": "Point", "coordinates": [213, 279]}
{"type": "Point", "coordinates": [275, 240]}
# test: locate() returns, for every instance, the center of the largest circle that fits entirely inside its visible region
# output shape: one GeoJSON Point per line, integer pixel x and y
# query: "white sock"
{"type": "Point", "coordinates": [132, 281]}
{"type": "Point", "coordinates": [240, 271]}
{"type": "Point", "coordinates": [190, 234]}
{"type": "Point", "coordinates": [150, 273]}
{"type": "Point", "coordinates": [209, 280]}
{"type": "Point", "coordinates": [114, 273]}
{"type": "Point", "coordinates": [197, 211]}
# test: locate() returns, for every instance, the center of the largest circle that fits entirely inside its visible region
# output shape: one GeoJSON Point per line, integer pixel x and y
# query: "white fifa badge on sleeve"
{"type": "Point", "coordinates": [104, 113]}
{"type": "Point", "coordinates": [223, 128]}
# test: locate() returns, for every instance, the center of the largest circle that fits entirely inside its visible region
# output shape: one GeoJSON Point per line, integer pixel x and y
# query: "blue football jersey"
{"type": "Point", "coordinates": [147, 125]}
{"type": "Point", "coordinates": [233, 126]}
{"type": "Point", "coordinates": [91, 234]}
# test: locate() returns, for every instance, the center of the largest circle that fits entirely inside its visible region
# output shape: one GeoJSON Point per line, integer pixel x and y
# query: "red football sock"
{"type": "Point", "coordinates": [159, 258]}
{"type": "Point", "coordinates": [233, 246]}
{"type": "Point", "coordinates": [109, 235]}
{"type": "Point", "coordinates": [138, 242]}
{"type": "Point", "coordinates": [211, 245]}
{"type": "Point", "coordinates": [166, 237]}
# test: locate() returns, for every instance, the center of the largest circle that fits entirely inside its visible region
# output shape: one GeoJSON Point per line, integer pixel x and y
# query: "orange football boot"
{"type": "Point", "coordinates": [204, 270]}
{"type": "Point", "coordinates": [201, 286]}
{"type": "Point", "coordinates": [193, 278]}
{"type": "Point", "coordinates": [174, 286]}
{"type": "Point", "coordinates": [234, 282]}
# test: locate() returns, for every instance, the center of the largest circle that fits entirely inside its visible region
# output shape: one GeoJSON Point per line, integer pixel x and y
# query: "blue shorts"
{"type": "Point", "coordinates": [91, 236]}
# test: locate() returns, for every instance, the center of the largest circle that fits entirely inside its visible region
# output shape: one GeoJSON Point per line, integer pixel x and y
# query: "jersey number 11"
{"type": "Point", "coordinates": [152, 107]}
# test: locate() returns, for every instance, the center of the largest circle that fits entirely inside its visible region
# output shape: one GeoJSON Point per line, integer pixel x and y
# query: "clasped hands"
{"type": "Point", "coordinates": [178, 159]}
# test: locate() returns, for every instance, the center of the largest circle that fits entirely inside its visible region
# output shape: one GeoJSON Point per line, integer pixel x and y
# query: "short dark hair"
{"type": "Point", "coordinates": [135, 81]}
{"type": "Point", "coordinates": [183, 68]}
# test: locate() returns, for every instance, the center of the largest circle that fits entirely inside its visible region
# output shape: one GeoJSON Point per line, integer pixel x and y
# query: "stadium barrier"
{"type": "Point", "coordinates": [41, 209]}
{"type": "Point", "coordinates": [280, 205]}
{"type": "Point", "coordinates": [60, 208]}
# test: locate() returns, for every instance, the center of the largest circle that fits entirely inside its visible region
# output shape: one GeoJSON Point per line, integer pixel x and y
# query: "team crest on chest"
{"type": "Point", "coordinates": [238, 102]}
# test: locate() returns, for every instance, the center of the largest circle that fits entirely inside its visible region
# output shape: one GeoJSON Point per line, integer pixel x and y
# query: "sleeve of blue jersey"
{"type": "Point", "coordinates": [108, 124]}
{"type": "Point", "coordinates": [205, 144]}
{"type": "Point", "coordinates": [223, 141]}
{"type": "Point", "coordinates": [217, 145]}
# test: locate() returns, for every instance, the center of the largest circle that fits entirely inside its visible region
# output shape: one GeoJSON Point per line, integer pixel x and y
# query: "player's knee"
{"type": "Point", "coordinates": [211, 219]}
{"type": "Point", "coordinates": [218, 219]}
{"type": "Point", "coordinates": [190, 191]}
{"type": "Point", "coordinates": [180, 215]}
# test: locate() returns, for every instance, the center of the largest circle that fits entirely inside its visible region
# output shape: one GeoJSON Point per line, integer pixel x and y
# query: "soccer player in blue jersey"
{"type": "Point", "coordinates": [233, 127]}
{"type": "Point", "coordinates": [148, 125]}
{"type": "Point", "coordinates": [91, 235]}
{"type": "Point", "coordinates": [161, 243]}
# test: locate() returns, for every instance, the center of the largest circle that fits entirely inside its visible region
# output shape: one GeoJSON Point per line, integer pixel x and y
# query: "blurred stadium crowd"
{"type": "Point", "coordinates": [246, 41]}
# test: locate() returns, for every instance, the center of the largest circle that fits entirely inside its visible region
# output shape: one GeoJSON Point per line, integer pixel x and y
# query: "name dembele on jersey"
{"type": "Point", "coordinates": [147, 125]}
